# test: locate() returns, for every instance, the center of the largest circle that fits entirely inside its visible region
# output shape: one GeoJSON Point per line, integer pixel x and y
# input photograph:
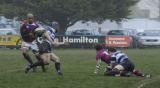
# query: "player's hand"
{"type": "Point", "coordinates": [95, 72]}
{"type": "Point", "coordinates": [56, 45]}
{"type": "Point", "coordinates": [66, 43]}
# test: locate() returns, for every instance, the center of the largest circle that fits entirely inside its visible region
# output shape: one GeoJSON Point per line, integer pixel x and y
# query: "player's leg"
{"type": "Point", "coordinates": [38, 57]}
{"type": "Point", "coordinates": [116, 71]}
{"type": "Point", "coordinates": [35, 50]}
{"type": "Point", "coordinates": [140, 74]}
{"type": "Point", "coordinates": [38, 63]}
{"type": "Point", "coordinates": [25, 48]}
{"type": "Point", "coordinates": [128, 68]}
{"type": "Point", "coordinates": [45, 58]}
{"type": "Point", "coordinates": [56, 59]}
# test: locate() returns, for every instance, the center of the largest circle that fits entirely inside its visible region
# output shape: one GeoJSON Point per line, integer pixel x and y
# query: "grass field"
{"type": "Point", "coordinates": [78, 67]}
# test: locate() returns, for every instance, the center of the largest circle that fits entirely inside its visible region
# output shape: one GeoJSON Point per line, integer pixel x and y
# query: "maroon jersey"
{"type": "Point", "coordinates": [27, 31]}
{"type": "Point", "coordinates": [103, 55]}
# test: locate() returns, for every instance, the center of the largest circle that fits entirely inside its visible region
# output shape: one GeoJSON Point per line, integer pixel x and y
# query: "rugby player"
{"type": "Point", "coordinates": [45, 38]}
{"type": "Point", "coordinates": [121, 65]}
{"type": "Point", "coordinates": [27, 35]}
{"type": "Point", "coordinates": [102, 55]}
{"type": "Point", "coordinates": [117, 62]}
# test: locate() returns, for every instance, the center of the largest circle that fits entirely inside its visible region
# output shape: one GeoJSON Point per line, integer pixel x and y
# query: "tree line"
{"type": "Point", "coordinates": [68, 12]}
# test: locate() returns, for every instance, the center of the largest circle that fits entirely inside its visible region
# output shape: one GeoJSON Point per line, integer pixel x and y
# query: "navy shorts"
{"type": "Point", "coordinates": [128, 65]}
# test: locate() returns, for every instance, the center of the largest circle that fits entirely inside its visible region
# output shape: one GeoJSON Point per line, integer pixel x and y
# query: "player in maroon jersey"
{"type": "Point", "coordinates": [27, 34]}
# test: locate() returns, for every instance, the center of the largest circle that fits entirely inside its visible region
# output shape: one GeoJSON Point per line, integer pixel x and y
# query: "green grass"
{"type": "Point", "coordinates": [78, 67]}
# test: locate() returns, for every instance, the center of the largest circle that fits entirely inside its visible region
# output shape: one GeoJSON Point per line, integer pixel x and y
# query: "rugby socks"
{"type": "Point", "coordinates": [28, 58]}
{"type": "Point", "coordinates": [38, 63]}
{"type": "Point", "coordinates": [138, 73]}
{"type": "Point", "coordinates": [58, 68]}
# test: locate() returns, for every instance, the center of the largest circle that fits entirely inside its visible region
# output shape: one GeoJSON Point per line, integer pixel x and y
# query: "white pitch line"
{"type": "Point", "coordinates": [143, 84]}
{"type": "Point", "coordinates": [12, 70]}
{"type": "Point", "coordinates": [148, 82]}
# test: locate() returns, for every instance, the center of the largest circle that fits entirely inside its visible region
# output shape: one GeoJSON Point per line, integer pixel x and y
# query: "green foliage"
{"type": "Point", "coordinates": [67, 12]}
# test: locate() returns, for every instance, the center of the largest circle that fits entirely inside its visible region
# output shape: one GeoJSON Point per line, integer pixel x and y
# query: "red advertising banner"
{"type": "Point", "coordinates": [118, 41]}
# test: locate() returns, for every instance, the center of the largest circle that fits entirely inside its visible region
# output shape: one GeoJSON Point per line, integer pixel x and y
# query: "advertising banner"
{"type": "Point", "coordinates": [80, 41]}
{"type": "Point", "coordinates": [118, 41]}
{"type": "Point", "coordinates": [9, 40]}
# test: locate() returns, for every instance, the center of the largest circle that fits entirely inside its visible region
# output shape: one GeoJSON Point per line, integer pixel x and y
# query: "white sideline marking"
{"type": "Point", "coordinates": [10, 71]}
{"type": "Point", "coordinates": [13, 70]}
{"type": "Point", "coordinates": [142, 85]}
{"type": "Point", "coordinates": [148, 82]}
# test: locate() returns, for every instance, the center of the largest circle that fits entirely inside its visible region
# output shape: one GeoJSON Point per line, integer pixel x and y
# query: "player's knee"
{"type": "Point", "coordinates": [24, 50]}
{"type": "Point", "coordinates": [25, 53]}
{"type": "Point", "coordinates": [57, 60]}
{"type": "Point", "coordinates": [46, 62]}
{"type": "Point", "coordinates": [46, 58]}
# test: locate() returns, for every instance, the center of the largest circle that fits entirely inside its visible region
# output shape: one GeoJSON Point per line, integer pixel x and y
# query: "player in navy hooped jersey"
{"type": "Point", "coordinates": [45, 40]}
{"type": "Point", "coordinates": [122, 65]}
{"type": "Point", "coordinates": [118, 63]}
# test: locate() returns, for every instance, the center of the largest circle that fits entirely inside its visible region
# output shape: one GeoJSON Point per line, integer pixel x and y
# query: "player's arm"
{"type": "Point", "coordinates": [111, 61]}
{"type": "Point", "coordinates": [98, 64]}
{"type": "Point", "coordinates": [46, 34]}
{"type": "Point", "coordinates": [22, 32]}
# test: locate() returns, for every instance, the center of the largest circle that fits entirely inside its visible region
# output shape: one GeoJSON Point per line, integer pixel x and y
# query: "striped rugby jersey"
{"type": "Point", "coordinates": [51, 33]}
{"type": "Point", "coordinates": [119, 57]}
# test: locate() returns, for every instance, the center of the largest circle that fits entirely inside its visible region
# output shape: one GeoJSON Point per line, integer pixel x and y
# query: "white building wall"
{"type": "Point", "coordinates": [151, 5]}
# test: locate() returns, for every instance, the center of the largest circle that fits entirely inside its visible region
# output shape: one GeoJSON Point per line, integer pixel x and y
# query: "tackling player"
{"type": "Point", "coordinates": [117, 62]}
{"type": "Point", "coordinates": [102, 55]}
{"type": "Point", "coordinates": [122, 65]}
{"type": "Point", "coordinates": [45, 38]}
{"type": "Point", "coordinates": [27, 35]}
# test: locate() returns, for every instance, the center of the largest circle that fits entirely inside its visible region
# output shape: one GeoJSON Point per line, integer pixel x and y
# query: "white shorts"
{"type": "Point", "coordinates": [119, 67]}
{"type": "Point", "coordinates": [29, 45]}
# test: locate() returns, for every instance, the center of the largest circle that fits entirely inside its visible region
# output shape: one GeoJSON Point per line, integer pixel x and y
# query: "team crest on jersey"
{"type": "Point", "coordinates": [29, 26]}
{"type": "Point", "coordinates": [40, 40]}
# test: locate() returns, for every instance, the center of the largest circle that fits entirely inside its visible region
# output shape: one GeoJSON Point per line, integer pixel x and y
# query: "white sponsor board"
{"type": "Point", "coordinates": [81, 39]}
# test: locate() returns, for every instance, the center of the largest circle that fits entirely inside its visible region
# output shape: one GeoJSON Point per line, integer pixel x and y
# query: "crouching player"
{"type": "Point", "coordinates": [44, 39]}
{"type": "Point", "coordinates": [102, 55]}
{"type": "Point", "coordinates": [117, 62]}
{"type": "Point", "coordinates": [121, 65]}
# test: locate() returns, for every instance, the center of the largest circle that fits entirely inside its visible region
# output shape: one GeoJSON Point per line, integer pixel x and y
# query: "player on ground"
{"type": "Point", "coordinates": [121, 65]}
{"type": "Point", "coordinates": [118, 62]}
